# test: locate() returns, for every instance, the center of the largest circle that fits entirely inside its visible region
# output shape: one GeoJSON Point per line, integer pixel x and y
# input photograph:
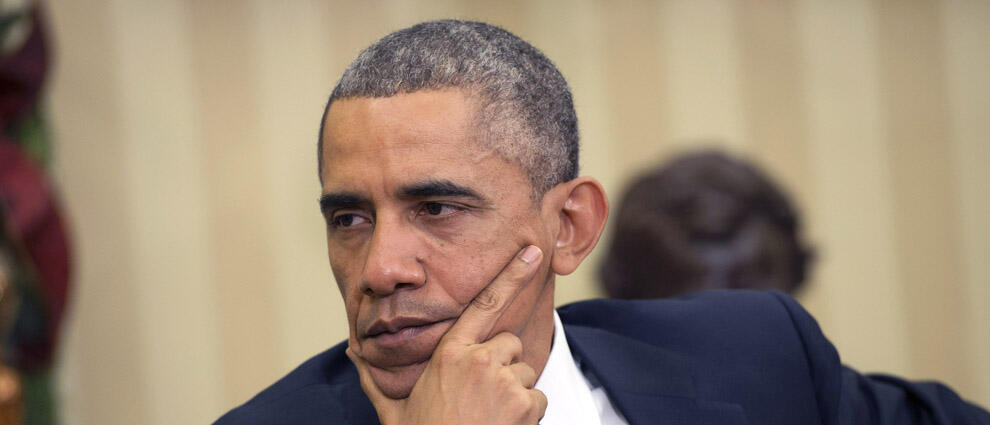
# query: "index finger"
{"type": "Point", "coordinates": [480, 316]}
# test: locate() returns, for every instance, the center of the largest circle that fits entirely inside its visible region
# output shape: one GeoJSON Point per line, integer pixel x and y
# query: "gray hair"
{"type": "Point", "coordinates": [526, 111]}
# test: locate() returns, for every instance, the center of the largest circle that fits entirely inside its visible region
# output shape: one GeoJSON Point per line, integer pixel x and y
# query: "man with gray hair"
{"type": "Point", "coordinates": [448, 158]}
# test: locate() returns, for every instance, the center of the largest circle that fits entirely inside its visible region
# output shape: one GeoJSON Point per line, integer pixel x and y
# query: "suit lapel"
{"type": "Point", "coordinates": [648, 385]}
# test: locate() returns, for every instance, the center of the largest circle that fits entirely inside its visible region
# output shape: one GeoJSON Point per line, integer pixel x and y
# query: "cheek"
{"type": "Point", "coordinates": [460, 270]}
{"type": "Point", "coordinates": [465, 264]}
{"type": "Point", "coordinates": [346, 277]}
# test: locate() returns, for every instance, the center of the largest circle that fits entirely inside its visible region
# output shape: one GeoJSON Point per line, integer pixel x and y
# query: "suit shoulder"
{"type": "Point", "coordinates": [767, 322]}
{"type": "Point", "coordinates": [758, 336]}
{"type": "Point", "coordinates": [728, 309]}
{"type": "Point", "coordinates": [310, 391]}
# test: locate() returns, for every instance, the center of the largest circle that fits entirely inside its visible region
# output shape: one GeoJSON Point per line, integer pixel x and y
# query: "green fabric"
{"type": "Point", "coordinates": [7, 21]}
{"type": "Point", "coordinates": [34, 138]}
{"type": "Point", "coordinates": [38, 398]}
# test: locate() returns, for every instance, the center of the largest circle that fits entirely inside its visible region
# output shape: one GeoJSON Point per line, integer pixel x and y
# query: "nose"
{"type": "Point", "coordinates": [393, 260]}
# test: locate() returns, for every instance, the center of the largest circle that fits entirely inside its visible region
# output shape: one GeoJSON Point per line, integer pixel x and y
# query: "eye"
{"type": "Point", "coordinates": [438, 209]}
{"type": "Point", "coordinates": [345, 220]}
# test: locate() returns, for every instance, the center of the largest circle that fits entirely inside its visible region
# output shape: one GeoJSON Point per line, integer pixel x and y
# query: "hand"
{"type": "Point", "coordinates": [469, 380]}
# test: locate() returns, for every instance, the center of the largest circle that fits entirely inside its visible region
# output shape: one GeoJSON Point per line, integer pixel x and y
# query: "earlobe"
{"type": "Point", "coordinates": [582, 214]}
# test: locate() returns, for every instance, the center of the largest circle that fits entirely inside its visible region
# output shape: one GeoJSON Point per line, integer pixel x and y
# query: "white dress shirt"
{"type": "Point", "coordinates": [572, 399]}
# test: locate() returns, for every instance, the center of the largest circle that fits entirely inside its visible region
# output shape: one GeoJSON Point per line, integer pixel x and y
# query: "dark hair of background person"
{"type": "Point", "coordinates": [526, 110]}
{"type": "Point", "coordinates": [703, 221]}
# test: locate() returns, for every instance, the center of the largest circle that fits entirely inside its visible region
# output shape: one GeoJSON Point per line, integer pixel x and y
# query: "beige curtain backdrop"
{"type": "Point", "coordinates": [186, 141]}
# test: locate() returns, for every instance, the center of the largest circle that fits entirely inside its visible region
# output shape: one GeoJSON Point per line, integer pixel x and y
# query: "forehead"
{"type": "Point", "coordinates": [365, 123]}
{"type": "Point", "coordinates": [413, 136]}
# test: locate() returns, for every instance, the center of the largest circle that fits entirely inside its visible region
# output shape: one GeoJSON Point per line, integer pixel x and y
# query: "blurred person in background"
{"type": "Point", "coordinates": [34, 253]}
{"type": "Point", "coordinates": [704, 220]}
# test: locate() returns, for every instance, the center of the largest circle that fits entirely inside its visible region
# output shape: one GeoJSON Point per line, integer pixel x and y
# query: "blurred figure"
{"type": "Point", "coordinates": [34, 251]}
{"type": "Point", "coordinates": [703, 221]}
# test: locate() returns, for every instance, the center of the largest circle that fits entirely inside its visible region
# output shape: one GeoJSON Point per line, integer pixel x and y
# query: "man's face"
{"type": "Point", "coordinates": [420, 218]}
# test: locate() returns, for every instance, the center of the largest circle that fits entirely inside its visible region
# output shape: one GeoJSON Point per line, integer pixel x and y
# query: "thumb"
{"type": "Point", "coordinates": [383, 405]}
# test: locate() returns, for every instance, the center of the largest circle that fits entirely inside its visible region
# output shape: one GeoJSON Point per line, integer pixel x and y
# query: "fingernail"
{"type": "Point", "coordinates": [530, 254]}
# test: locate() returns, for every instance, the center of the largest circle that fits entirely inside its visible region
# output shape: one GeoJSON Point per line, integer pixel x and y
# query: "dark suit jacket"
{"type": "Point", "coordinates": [725, 358]}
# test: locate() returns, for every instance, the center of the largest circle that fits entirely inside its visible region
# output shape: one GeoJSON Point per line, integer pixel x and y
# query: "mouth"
{"type": "Point", "coordinates": [406, 332]}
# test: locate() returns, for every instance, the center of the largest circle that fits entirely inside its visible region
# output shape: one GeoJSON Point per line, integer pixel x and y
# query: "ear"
{"type": "Point", "coordinates": [581, 208]}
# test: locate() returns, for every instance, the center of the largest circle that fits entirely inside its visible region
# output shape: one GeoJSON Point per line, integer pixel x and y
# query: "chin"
{"type": "Point", "coordinates": [397, 383]}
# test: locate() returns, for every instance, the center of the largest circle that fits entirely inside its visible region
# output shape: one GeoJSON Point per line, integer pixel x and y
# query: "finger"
{"type": "Point", "coordinates": [381, 402]}
{"type": "Point", "coordinates": [539, 406]}
{"type": "Point", "coordinates": [480, 316]}
{"type": "Point", "coordinates": [505, 348]}
{"type": "Point", "coordinates": [524, 374]}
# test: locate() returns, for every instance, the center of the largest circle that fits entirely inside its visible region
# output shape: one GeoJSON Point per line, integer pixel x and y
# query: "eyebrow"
{"type": "Point", "coordinates": [438, 188]}
{"type": "Point", "coordinates": [332, 201]}
{"type": "Point", "coordinates": [424, 189]}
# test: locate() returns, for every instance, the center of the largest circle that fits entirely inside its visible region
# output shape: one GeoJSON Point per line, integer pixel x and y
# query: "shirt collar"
{"type": "Point", "coordinates": [569, 399]}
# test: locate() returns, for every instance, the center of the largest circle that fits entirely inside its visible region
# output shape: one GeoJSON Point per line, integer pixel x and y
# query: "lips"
{"type": "Point", "coordinates": [403, 340]}
{"type": "Point", "coordinates": [396, 325]}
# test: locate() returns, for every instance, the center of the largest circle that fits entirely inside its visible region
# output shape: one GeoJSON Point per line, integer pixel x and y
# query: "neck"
{"type": "Point", "coordinates": [537, 335]}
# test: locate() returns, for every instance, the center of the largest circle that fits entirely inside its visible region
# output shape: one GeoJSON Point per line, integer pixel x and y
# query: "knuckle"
{"type": "Point", "coordinates": [539, 401]}
{"type": "Point", "coordinates": [520, 398]}
{"type": "Point", "coordinates": [447, 354]}
{"type": "Point", "coordinates": [540, 397]}
{"type": "Point", "coordinates": [514, 342]}
{"type": "Point", "coordinates": [528, 373]}
{"type": "Point", "coordinates": [506, 378]}
{"type": "Point", "coordinates": [481, 357]}
{"type": "Point", "coordinates": [487, 300]}
{"type": "Point", "coordinates": [509, 343]}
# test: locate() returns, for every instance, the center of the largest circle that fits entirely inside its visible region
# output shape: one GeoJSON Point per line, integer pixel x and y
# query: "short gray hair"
{"type": "Point", "coordinates": [527, 113]}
